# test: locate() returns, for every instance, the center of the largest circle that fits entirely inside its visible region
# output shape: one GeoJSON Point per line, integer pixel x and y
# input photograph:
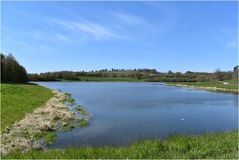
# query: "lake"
{"type": "Point", "coordinates": [124, 112]}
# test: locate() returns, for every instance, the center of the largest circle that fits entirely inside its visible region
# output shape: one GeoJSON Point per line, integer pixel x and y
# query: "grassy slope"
{"type": "Point", "coordinates": [232, 85]}
{"type": "Point", "coordinates": [108, 79]}
{"type": "Point", "coordinates": [213, 145]}
{"type": "Point", "coordinates": [18, 99]}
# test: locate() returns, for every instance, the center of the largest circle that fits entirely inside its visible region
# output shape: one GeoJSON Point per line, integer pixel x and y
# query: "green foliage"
{"type": "Point", "coordinates": [221, 76]}
{"type": "Point", "coordinates": [135, 75]}
{"type": "Point", "coordinates": [67, 126]}
{"type": "Point", "coordinates": [97, 75]}
{"type": "Point", "coordinates": [108, 79]}
{"type": "Point", "coordinates": [190, 77]}
{"type": "Point", "coordinates": [49, 136]}
{"type": "Point", "coordinates": [69, 98]}
{"type": "Point", "coordinates": [11, 70]}
{"type": "Point", "coordinates": [82, 110]}
{"type": "Point", "coordinates": [211, 145]}
{"type": "Point", "coordinates": [82, 122]}
{"type": "Point", "coordinates": [19, 99]}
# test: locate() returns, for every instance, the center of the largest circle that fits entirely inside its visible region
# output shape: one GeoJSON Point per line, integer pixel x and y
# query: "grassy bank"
{"type": "Point", "coordinates": [37, 127]}
{"type": "Point", "coordinates": [107, 79]}
{"type": "Point", "coordinates": [223, 86]}
{"type": "Point", "coordinates": [213, 145]}
{"type": "Point", "coordinates": [19, 99]}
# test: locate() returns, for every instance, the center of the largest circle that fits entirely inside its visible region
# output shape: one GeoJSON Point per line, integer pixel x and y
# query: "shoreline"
{"type": "Point", "coordinates": [29, 132]}
{"type": "Point", "coordinates": [213, 89]}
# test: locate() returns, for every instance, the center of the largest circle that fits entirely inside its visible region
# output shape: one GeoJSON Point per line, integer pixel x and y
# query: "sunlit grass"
{"type": "Point", "coordinates": [19, 99]}
{"type": "Point", "coordinates": [212, 145]}
{"type": "Point", "coordinates": [229, 85]}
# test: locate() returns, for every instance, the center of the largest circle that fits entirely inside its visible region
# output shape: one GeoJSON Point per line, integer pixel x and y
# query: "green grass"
{"type": "Point", "coordinates": [232, 85]}
{"type": "Point", "coordinates": [106, 79]}
{"type": "Point", "coordinates": [82, 122]}
{"type": "Point", "coordinates": [19, 99]}
{"type": "Point", "coordinates": [212, 145]}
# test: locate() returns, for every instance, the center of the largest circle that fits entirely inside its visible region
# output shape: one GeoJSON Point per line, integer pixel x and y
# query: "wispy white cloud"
{"type": "Point", "coordinates": [46, 36]}
{"type": "Point", "coordinates": [134, 21]}
{"type": "Point", "coordinates": [96, 30]}
{"type": "Point", "coordinates": [128, 18]}
{"type": "Point", "coordinates": [43, 41]}
{"type": "Point", "coordinates": [121, 25]}
{"type": "Point", "coordinates": [134, 26]}
{"type": "Point", "coordinates": [78, 29]}
{"type": "Point", "coordinates": [93, 30]}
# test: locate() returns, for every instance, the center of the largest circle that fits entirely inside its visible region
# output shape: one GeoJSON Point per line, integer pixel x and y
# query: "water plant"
{"type": "Point", "coordinates": [69, 98]}
{"type": "Point", "coordinates": [64, 123]}
{"type": "Point", "coordinates": [67, 125]}
{"type": "Point", "coordinates": [49, 137]}
{"type": "Point", "coordinates": [71, 126]}
{"type": "Point", "coordinates": [82, 110]}
{"type": "Point", "coordinates": [82, 122]}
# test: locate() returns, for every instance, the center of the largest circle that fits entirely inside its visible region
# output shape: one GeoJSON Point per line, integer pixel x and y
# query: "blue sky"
{"type": "Point", "coordinates": [177, 36]}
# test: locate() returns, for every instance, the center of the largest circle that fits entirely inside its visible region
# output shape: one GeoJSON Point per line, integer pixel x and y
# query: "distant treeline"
{"type": "Point", "coordinates": [11, 70]}
{"type": "Point", "coordinates": [70, 75]}
{"type": "Point", "coordinates": [194, 76]}
{"type": "Point", "coordinates": [146, 74]}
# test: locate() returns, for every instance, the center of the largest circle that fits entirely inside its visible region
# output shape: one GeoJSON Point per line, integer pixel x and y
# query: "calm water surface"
{"type": "Point", "coordinates": [125, 111]}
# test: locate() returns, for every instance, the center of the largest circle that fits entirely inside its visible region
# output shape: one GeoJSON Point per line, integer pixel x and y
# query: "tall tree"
{"type": "Point", "coordinates": [11, 70]}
